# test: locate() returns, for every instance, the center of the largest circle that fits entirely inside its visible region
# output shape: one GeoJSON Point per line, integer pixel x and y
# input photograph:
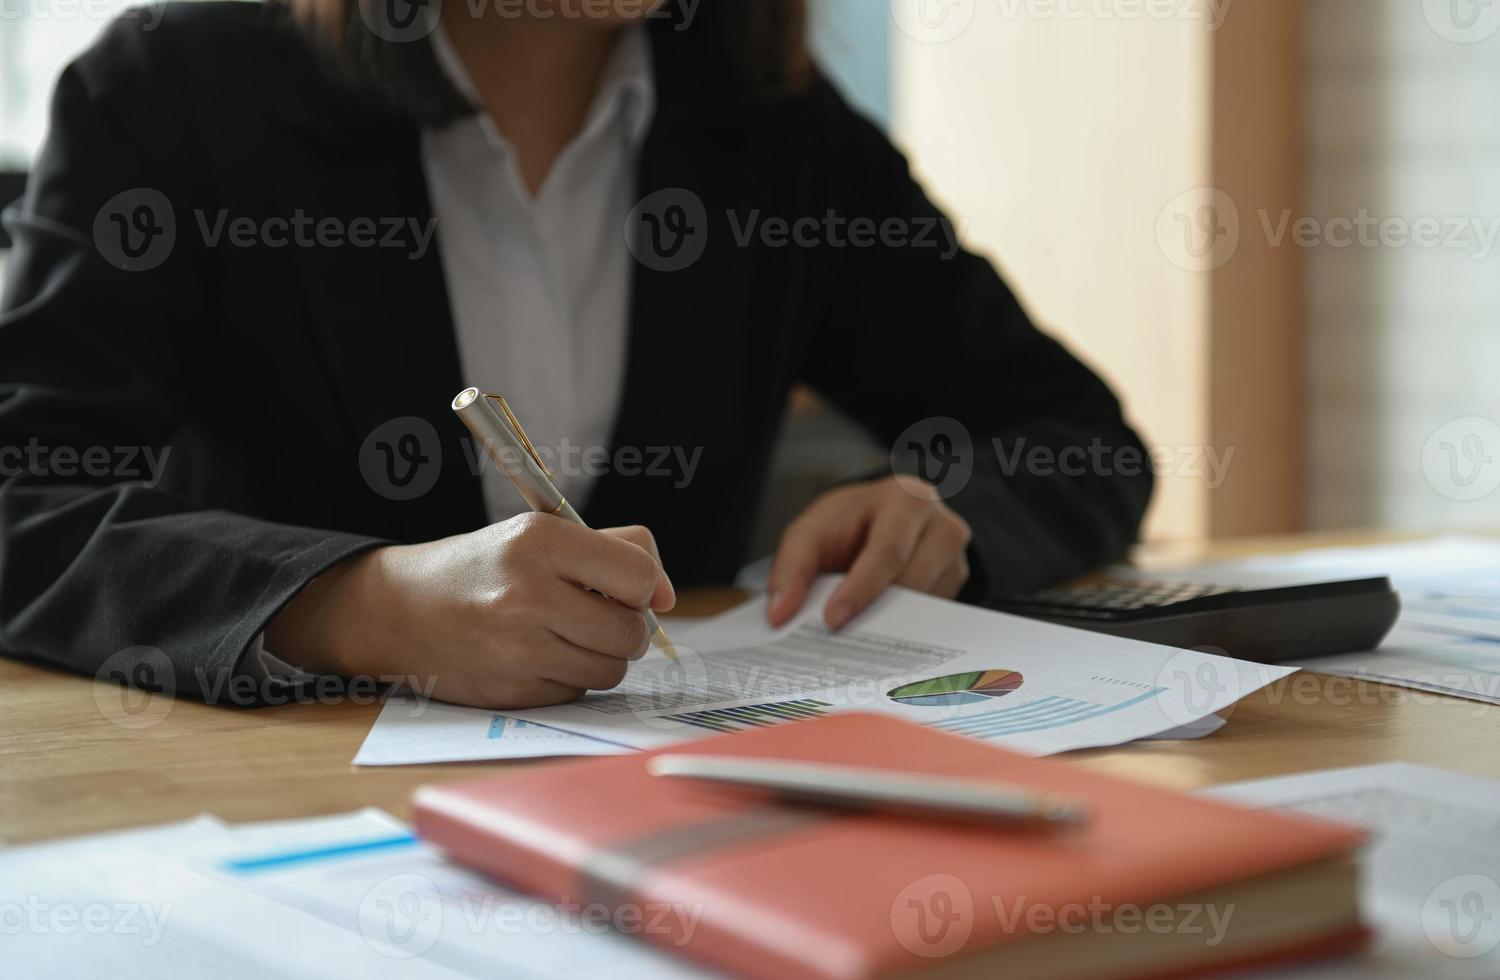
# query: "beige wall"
{"type": "Point", "coordinates": [1073, 148]}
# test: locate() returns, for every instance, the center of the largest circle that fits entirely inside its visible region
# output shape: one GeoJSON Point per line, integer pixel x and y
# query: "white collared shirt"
{"type": "Point", "coordinates": [540, 286]}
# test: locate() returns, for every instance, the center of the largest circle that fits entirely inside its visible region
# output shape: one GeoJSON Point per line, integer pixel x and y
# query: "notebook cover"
{"type": "Point", "coordinates": [779, 892]}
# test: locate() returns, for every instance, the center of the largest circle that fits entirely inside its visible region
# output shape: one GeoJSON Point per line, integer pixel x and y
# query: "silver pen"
{"type": "Point", "coordinates": [881, 790]}
{"type": "Point", "coordinates": [500, 433]}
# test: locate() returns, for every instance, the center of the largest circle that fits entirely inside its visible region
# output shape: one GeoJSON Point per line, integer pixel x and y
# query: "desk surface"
{"type": "Point", "coordinates": [65, 768]}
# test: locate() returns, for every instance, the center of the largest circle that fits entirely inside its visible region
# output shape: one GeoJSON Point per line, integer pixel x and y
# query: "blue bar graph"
{"type": "Point", "coordinates": [1036, 716]}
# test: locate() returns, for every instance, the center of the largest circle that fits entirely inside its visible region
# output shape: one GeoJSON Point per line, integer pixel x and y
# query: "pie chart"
{"type": "Point", "coordinates": [970, 687]}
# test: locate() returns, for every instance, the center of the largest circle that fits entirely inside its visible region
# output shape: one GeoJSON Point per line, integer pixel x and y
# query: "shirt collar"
{"type": "Point", "coordinates": [627, 87]}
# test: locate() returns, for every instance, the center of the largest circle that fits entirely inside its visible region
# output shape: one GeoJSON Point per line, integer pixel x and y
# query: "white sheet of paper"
{"type": "Point", "coordinates": [1038, 687]}
{"type": "Point", "coordinates": [1448, 637]}
{"type": "Point", "coordinates": [365, 874]}
{"type": "Point", "coordinates": [412, 730]}
{"type": "Point", "coordinates": [1431, 884]}
{"type": "Point", "coordinates": [350, 896]}
{"type": "Point", "coordinates": [1202, 728]}
{"type": "Point", "coordinates": [130, 907]}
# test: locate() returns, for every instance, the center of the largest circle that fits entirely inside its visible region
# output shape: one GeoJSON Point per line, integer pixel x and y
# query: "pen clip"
{"type": "Point", "coordinates": [515, 423]}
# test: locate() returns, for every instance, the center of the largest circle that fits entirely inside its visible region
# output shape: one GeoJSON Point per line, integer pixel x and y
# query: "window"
{"type": "Point", "coordinates": [37, 39]}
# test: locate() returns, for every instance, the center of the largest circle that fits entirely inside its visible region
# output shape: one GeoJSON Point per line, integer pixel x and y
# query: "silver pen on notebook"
{"type": "Point", "coordinates": [500, 433]}
{"type": "Point", "coordinates": [882, 790]}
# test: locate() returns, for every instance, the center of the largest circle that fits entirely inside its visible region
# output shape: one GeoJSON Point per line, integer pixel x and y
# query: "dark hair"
{"type": "Point", "coordinates": [740, 50]}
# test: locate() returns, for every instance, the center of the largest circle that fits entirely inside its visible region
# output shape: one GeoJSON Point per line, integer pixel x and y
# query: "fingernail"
{"type": "Point", "coordinates": [839, 612]}
{"type": "Point", "coordinates": [773, 605]}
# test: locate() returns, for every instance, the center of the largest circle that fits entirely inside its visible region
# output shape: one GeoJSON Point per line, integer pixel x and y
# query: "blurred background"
{"type": "Point", "coordinates": [1274, 225]}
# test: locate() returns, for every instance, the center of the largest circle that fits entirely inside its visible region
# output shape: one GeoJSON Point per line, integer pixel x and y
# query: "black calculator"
{"type": "Point", "coordinates": [1265, 625]}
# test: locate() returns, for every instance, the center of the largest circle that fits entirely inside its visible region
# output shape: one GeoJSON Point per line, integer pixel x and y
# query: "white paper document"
{"type": "Point", "coordinates": [131, 906]}
{"type": "Point", "coordinates": [1431, 875]}
{"type": "Point", "coordinates": [352, 896]}
{"type": "Point", "coordinates": [1447, 639]}
{"type": "Point", "coordinates": [411, 730]}
{"type": "Point", "coordinates": [1029, 685]}
{"type": "Point", "coordinates": [415, 730]}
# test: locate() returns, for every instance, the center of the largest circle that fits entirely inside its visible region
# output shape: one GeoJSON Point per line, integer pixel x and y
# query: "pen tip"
{"type": "Point", "coordinates": [665, 644]}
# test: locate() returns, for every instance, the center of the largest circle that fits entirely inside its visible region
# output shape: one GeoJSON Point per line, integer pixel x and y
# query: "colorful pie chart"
{"type": "Point", "coordinates": [970, 687]}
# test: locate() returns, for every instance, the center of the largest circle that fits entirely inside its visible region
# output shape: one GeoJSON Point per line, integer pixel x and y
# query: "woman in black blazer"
{"type": "Point", "coordinates": [228, 453]}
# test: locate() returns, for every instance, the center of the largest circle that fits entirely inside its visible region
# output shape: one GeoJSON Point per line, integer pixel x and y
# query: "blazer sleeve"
{"type": "Point", "coordinates": [102, 568]}
{"type": "Point", "coordinates": [925, 345]}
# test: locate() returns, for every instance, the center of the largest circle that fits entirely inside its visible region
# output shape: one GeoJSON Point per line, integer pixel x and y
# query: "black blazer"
{"type": "Point", "coordinates": [282, 379]}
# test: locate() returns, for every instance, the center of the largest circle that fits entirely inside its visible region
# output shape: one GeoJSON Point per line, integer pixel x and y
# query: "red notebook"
{"type": "Point", "coordinates": [1157, 884]}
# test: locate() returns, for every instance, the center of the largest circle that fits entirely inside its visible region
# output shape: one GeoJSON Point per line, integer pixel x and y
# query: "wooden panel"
{"type": "Point", "coordinates": [1079, 153]}
{"type": "Point", "coordinates": [1255, 400]}
{"type": "Point", "coordinates": [1056, 143]}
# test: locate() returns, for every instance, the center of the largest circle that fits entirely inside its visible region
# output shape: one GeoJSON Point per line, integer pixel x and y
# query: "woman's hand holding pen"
{"type": "Point", "coordinates": [510, 616]}
{"type": "Point", "coordinates": [499, 618]}
{"type": "Point", "coordinates": [895, 531]}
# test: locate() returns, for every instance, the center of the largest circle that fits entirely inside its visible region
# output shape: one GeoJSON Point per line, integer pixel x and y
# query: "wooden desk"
{"type": "Point", "coordinates": [65, 768]}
